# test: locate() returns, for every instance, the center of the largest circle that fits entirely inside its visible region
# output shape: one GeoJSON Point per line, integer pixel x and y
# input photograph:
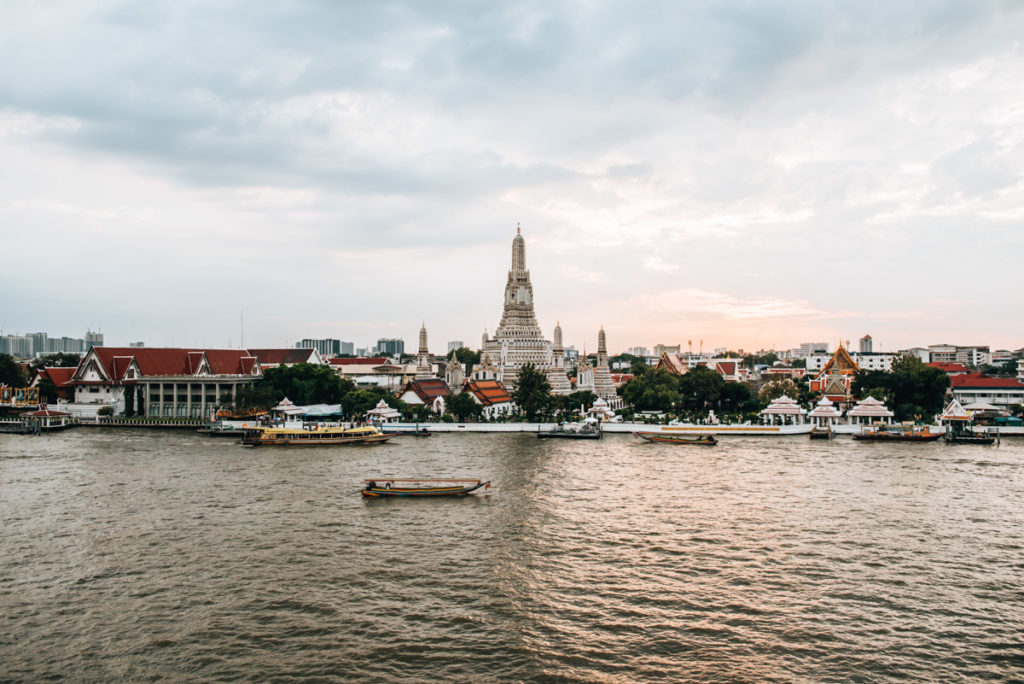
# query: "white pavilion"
{"type": "Point", "coordinates": [382, 413]}
{"type": "Point", "coordinates": [784, 410]}
{"type": "Point", "coordinates": [601, 411]}
{"type": "Point", "coordinates": [825, 414]}
{"type": "Point", "coordinates": [870, 410]}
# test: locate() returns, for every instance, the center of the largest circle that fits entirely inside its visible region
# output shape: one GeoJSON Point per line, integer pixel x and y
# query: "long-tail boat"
{"type": "Point", "coordinates": [393, 487]}
{"type": "Point", "coordinates": [320, 436]}
{"type": "Point", "coordinates": [661, 437]}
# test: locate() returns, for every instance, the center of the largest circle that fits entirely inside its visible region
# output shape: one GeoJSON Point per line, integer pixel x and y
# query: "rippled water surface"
{"type": "Point", "coordinates": [140, 555]}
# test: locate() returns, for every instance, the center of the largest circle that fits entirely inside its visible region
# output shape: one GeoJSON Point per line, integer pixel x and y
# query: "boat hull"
{"type": "Point", "coordinates": [662, 438]}
{"type": "Point", "coordinates": [923, 437]}
{"type": "Point", "coordinates": [325, 437]}
{"type": "Point", "coordinates": [385, 491]}
{"type": "Point", "coordinates": [569, 435]}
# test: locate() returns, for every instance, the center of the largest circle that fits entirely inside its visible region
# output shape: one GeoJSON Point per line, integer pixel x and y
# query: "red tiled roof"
{"type": "Point", "coordinates": [155, 361]}
{"type": "Point", "coordinates": [277, 357]}
{"type": "Point", "coordinates": [58, 376]}
{"type": "Point", "coordinates": [984, 381]}
{"type": "Point", "coordinates": [726, 367]}
{"type": "Point", "coordinates": [949, 367]}
{"type": "Point", "coordinates": [488, 392]}
{"type": "Point", "coordinates": [371, 361]}
{"type": "Point", "coordinates": [429, 389]}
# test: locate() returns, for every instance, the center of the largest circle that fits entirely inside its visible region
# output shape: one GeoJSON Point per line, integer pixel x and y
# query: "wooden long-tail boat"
{"type": "Point", "coordinates": [661, 437]}
{"type": "Point", "coordinates": [393, 487]}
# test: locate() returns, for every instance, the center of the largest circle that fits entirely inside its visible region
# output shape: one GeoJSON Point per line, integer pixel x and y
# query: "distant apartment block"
{"type": "Point", "coordinates": [660, 349]}
{"type": "Point", "coordinates": [348, 348]}
{"type": "Point", "coordinates": [869, 361]}
{"type": "Point", "coordinates": [455, 344]}
{"type": "Point", "coordinates": [867, 345]}
{"type": "Point", "coordinates": [807, 349]}
{"type": "Point", "coordinates": [325, 347]}
{"type": "Point", "coordinates": [40, 344]}
{"type": "Point", "coordinates": [969, 356]}
{"type": "Point", "coordinates": [638, 351]}
{"type": "Point", "coordinates": [390, 346]}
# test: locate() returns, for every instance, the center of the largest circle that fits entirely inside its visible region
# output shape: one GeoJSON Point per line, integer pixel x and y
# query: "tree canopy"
{"type": "Point", "coordinates": [464, 407]}
{"type": "Point", "coordinates": [654, 389]}
{"type": "Point", "coordinates": [532, 393]}
{"type": "Point", "coordinates": [303, 384]}
{"type": "Point", "coordinates": [11, 373]}
{"type": "Point", "coordinates": [913, 387]}
{"type": "Point", "coordinates": [58, 360]}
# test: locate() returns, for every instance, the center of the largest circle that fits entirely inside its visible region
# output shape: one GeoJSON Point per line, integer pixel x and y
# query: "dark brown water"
{"type": "Point", "coordinates": [141, 556]}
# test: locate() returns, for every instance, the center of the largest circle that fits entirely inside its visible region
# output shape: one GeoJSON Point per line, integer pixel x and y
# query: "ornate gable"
{"type": "Point", "coordinates": [90, 369]}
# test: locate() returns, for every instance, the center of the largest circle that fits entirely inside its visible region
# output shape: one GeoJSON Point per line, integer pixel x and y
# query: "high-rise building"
{"type": "Point", "coordinates": [390, 346]}
{"type": "Point", "coordinates": [518, 339]}
{"type": "Point", "coordinates": [866, 345]}
{"type": "Point", "coordinates": [348, 348]}
{"type": "Point", "coordinates": [93, 339]}
{"type": "Point", "coordinates": [325, 347]}
{"type": "Point", "coordinates": [455, 344]}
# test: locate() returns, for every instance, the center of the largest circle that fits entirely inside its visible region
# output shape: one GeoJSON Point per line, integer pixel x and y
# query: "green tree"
{"type": "Point", "coordinates": [357, 402]}
{"type": "Point", "coordinates": [913, 387]}
{"type": "Point", "coordinates": [307, 383]}
{"type": "Point", "coordinates": [47, 391]}
{"type": "Point", "coordinates": [776, 388]}
{"type": "Point", "coordinates": [701, 389]}
{"type": "Point", "coordinates": [654, 389]}
{"type": "Point", "coordinates": [464, 407]}
{"type": "Point", "coordinates": [11, 373]}
{"type": "Point", "coordinates": [467, 355]}
{"type": "Point", "coordinates": [737, 397]}
{"type": "Point", "coordinates": [532, 393]}
{"type": "Point", "coordinates": [58, 360]}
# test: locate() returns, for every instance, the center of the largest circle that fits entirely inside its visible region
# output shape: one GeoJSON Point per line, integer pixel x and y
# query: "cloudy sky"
{"type": "Point", "coordinates": [749, 174]}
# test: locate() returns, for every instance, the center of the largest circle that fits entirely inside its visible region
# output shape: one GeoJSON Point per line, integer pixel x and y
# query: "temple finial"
{"type": "Point", "coordinates": [518, 231]}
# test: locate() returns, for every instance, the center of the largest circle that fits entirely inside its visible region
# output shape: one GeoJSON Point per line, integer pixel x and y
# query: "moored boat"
{"type": "Point", "coordinates": [410, 487]}
{"type": "Point", "coordinates": [898, 433]}
{"type": "Point", "coordinates": [587, 430]}
{"type": "Point", "coordinates": [822, 432]}
{"type": "Point", "coordinates": [661, 437]}
{"type": "Point", "coordinates": [267, 436]}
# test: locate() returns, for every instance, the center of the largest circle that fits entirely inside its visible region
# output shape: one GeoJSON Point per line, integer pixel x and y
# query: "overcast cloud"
{"type": "Point", "coordinates": [747, 174]}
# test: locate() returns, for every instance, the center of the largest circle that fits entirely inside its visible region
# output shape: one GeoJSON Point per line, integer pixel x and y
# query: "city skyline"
{"type": "Point", "coordinates": [753, 177]}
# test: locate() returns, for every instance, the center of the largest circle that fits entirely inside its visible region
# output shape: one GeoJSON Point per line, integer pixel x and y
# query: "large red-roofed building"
{"type": "Point", "coordinates": [977, 388]}
{"type": "Point", "coordinates": [163, 382]}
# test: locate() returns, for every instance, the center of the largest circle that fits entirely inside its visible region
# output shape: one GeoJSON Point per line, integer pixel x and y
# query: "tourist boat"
{"type": "Point", "coordinates": [588, 430]}
{"type": "Point", "coordinates": [699, 440]}
{"type": "Point", "coordinates": [744, 429]}
{"type": "Point", "coordinates": [392, 487]}
{"type": "Point", "coordinates": [898, 433]}
{"type": "Point", "coordinates": [267, 436]}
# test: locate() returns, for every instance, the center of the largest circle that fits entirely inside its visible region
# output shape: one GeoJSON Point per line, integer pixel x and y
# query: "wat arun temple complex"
{"type": "Point", "coordinates": [518, 340]}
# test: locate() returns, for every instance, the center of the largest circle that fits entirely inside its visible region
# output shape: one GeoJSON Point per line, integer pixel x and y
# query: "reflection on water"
{"type": "Point", "coordinates": [142, 555]}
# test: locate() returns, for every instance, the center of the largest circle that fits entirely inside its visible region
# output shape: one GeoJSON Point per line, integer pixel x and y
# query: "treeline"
{"type": "Point", "coordinates": [911, 389]}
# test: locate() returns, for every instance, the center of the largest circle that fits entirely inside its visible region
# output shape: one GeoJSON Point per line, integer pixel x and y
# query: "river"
{"type": "Point", "coordinates": [132, 555]}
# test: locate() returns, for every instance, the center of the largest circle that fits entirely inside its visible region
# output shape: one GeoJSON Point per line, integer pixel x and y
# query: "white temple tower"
{"type": "Point", "coordinates": [423, 365]}
{"type": "Point", "coordinates": [557, 377]}
{"type": "Point", "coordinates": [603, 385]}
{"type": "Point", "coordinates": [454, 374]}
{"type": "Point", "coordinates": [518, 339]}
